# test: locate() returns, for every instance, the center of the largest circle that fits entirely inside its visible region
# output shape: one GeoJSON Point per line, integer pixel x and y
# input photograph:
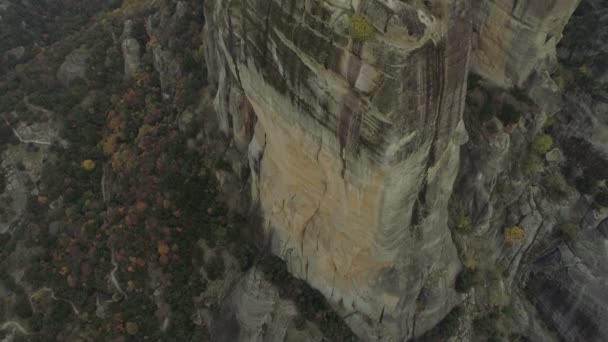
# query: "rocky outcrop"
{"type": "Point", "coordinates": [355, 148]}
{"type": "Point", "coordinates": [159, 27]}
{"type": "Point", "coordinates": [22, 163]}
{"type": "Point", "coordinates": [584, 46]}
{"type": "Point", "coordinates": [556, 273]}
{"type": "Point", "coordinates": [74, 67]}
{"type": "Point", "coordinates": [254, 312]}
{"type": "Point", "coordinates": [131, 50]}
{"type": "Point", "coordinates": [514, 38]}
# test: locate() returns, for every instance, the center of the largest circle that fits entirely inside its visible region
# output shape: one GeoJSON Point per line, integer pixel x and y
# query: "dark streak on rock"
{"type": "Point", "coordinates": [231, 46]}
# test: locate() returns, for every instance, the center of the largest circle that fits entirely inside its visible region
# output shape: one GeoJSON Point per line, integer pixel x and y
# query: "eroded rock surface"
{"type": "Point", "coordinates": [254, 312]}
{"type": "Point", "coordinates": [514, 38]}
{"type": "Point", "coordinates": [356, 145]}
{"type": "Point", "coordinates": [131, 50]}
{"type": "Point", "coordinates": [74, 67]}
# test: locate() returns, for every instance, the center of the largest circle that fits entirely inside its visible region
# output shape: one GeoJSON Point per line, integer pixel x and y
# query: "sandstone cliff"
{"type": "Point", "coordinates": [357, 115]}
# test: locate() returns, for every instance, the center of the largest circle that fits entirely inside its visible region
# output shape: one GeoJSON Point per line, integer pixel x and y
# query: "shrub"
{"type": "Point", "coordinates": [446, 328]}
{"type": "Point", "coordinates": [88, 164]}
{"type": "Point", "coordinates": [514, 234]}
{"type": "Point", "coordinates": [542, 144]}
{"type": "Point", "coordinates": [487, 111]}
{"type": "Point", "coordinates": [37, 321]}
{"type": "Point", "coordinates": [533, 164]}
{"type": "Point", "coordinates": [360, 27]}
{"type": "Point", "coordinates": [569, 230]}
{"type": "Point", "coordinates": [2, 181]}
{"type": "Point", "coordinates": [473, 81]}
{"type": "Point", "coordinates": [334, 328]}
{"type": "Point", "coordinates": [509, 311]}
{"type": "Point", "coordinates": [485, 326]}
{"type": "Point", "coordinates": [586, 184]}
{"type": "Point", "coordinates": [602, 198]}
{"type": "Point", "coordinates": [465, 280]}
{"type": "Point", "coordinates": [569, 169]}
{"type": "Point", "coordinates": [22, 307]}
{"type": "Point", "coordinates": [215, 268]}
{"type": "Point", "coordinates": [508, 115]}
{"type": "Point", "coordinates": [556, 184]}
{"type": "Point", "coordinates": [463, 224]}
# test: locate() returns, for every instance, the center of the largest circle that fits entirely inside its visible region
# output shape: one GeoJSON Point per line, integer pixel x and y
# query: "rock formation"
{"type": "Point", "coordinates": [351, 120]}
{"type": "Point", "coordinates": [354, 152]}
{"type": "Point", "coordinates": [416, 199]}
{"type": "Point", "coordinates": [74, 67]}
{"type": "Point", "coordinates": [254, 312]}
{"type": "Point", "coordinates": [131, 50]}
{"type": "Point", "coordinates": [514, 38]}
{"type": "Point", "coordinates": [557, 271]}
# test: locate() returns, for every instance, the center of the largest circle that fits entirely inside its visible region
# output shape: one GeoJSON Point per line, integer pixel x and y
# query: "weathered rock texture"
{"type": "Point", "coordinates": [558, 280]}
{"type": "Point", "coordinates": [131, 50]}
{"type": "Point", "coordinates": [513, 38]}
{"type": "Point", "coordinates": [355, 148]}
{"type": "Point", "coordinates": [254, 312]}
{"type": "Point", "coordinates": [74, 67]}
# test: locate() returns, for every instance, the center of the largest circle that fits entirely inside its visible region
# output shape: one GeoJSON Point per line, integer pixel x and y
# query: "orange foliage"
{"type": "Point", "coordinates": [123, 160]}
{"type": "Point", "coordinates": [514, 234]}
{"type": "Point", "coordinates": [88, 165]}
{"type": "Point", "coordinates": [71, 281]}
{"type": "Point", "coordinates": [108, 144]}
{"type": "Point", "coordinates": [163, 248]}
{"type": "Point", "coordinates": [141, 207]}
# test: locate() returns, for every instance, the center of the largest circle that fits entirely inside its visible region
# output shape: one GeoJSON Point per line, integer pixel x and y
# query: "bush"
{"type": "Point", "coordinates": [446, 328]}
{"type": "Point", "coordinates": [569, 230]}
{"type": "Point", "coordinates": [334, 328]}
{"type": "Point", "coordinates": [534, 164]}
{"type": "Point", "coordinates": [473, 81]}
{"type": "Point", "coordinates": [487, 111]}
{"type": "Point", "coordinates": [602, 198]}
{"type": "Point", "coordinates": [22, 307]}
{"type": "Point", "coordinates": [514, 234]}
{"type": "Point", "coordinates": [463, 224]}
{"type": "Point", "coordinates": [37, 321]}
{"type": "Point", "coordinates": [215, 268]}
{"type": "Point", "coordinates": [2, 181]}
{"type": "Point", "coordinates": [360, 27]}
{"type": "Point", "coordinates": [466, 279]}
{"type": "Point", "coordinates": [586, 184]}
{"type": "Point", "coordinates": [556, 184]}
{"type": "Point", "coordinates": [569, 169]}
{"type": "Point", "coordinates": [508, 115]}
{"type": "Point", "coordinates": [485, 326]}
{"type": "Point", "coordinates": [542, 144]}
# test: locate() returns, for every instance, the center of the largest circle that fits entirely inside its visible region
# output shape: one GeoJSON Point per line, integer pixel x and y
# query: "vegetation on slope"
{"type": "Point", "coordinates": [127, 231]}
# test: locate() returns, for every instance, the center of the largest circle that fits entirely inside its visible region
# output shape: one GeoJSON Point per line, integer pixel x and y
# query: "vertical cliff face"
{"type": "Point", "coordinates": [355, 147]}
{"type": "Point", "coordinates": [512, 38]}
